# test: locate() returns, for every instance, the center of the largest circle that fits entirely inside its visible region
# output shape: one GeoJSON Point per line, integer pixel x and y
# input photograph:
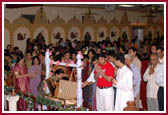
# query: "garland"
{"type": "Point", "coordinates": [57, 105]}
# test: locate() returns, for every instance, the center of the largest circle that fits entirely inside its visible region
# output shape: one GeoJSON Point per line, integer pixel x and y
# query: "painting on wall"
{"type": "Point", "coordinates": [74, 33]}
{"type": "Point", "coordinates": [6, 37]}
{"type": "Point", "coordinates": [20, 36]}
{"type": "Point", "coordinates": [114, 33]}
{"type": "Point", "coordinates": [43, 32]}
{"type": "Point", "coordinates": [57, 34]}
{"type": "Point", "coordinates": [88, 33]}
{"type": "Point", "coordinates": [150, 33]}
{"type": "Point", "coordinates": [125, 33]}
{"type": "Point", "coordinates": [158, 32]}
{"type": "Point", "coordinates": [102, 33]}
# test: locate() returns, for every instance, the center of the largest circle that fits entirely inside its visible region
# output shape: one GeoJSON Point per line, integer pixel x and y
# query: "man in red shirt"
{"type": "Point", "coordinates": [104, 73]}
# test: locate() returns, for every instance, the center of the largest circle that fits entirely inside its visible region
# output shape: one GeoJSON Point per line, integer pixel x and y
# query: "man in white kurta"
{"type": "Point", "coordinates": [123, 83]}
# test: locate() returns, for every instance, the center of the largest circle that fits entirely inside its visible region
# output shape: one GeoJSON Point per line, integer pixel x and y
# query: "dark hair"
{"type": "Point", "coordinates": [104, 50]}
{"type": "Point", "coordinates": [19, 58]}
{"type": "Point", "coordinates": [133, 49]}
{"type": "Point", "coordinates": [42, 53]}
{"type": "Point", "coordinates": [35, 57]}
{"type": "Point", "coordinates": [95, 57]}
{"type": "Point", "coordinates": [154, 45]}
{"type": "Point", "coordinates": [74, 52]}
{"type": "Point", "coordinates": [66, 52]}
{"type": "Point", "coordinates": [102, 54]}
{"type": "Point", "coordinates": [91, 50]}
{"type": "Point", "coordinates": [15, 48]}
{"type": "Point", "coordinates": [9, 45]}
{"type": "Point", "coordinates": [124, 49]}
{"type": "Point", "coordinates": [160, 48]}
{"type": "Point", "coordinates": [59, 71]}
{"type": "Point", "coordinates": [58, 57]}
{"type": "Point", "coordinates": [7, 54]}
{"type": "Point", "coordinates": [120, 56]}
{"type": "Point", "coordinates": [29, 53]}
{"type": "Point", "coordinates": [85, 56]}
{"type": "Point", "coordinates": [111, 53]}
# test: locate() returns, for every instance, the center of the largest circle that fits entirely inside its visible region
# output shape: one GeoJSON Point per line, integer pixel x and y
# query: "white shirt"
{"type": "Point", "coordinates": [124, 88]}
{"type": "Point", "coordinates": [91, 77]}
{"type": "Point", "coordinates": [160, 75]}
{"type": "Point", "coordinates": [161, 60]}
{"type": "Point", "coordinates": [136, 79]}
{"type": "Point", "coordinates": [137, 62]}
{"type": "Point", "coordinates": [152, 87]}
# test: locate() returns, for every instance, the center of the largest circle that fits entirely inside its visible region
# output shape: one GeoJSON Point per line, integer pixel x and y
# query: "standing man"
{"type": "Point", "coordinates": [160, 52]}
{"type": "Point", "coordinates": [104, 73]}
{"type": "Point", "coordinates": [136, 78]}
{"type": "Point", "coordinates": [152, 87]}
{"type": "Point", "coordinates": [123, 83]}
{"type": "Point", "coordinates": [160, 83]}
{"type": "Point", "coordinates": [133, 51]}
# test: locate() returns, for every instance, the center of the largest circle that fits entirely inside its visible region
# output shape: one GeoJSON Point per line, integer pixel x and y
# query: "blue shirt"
{"type": "Point", "coordinates": [136, 79]}
{"type": "Point", "coordinates": [160, 75]}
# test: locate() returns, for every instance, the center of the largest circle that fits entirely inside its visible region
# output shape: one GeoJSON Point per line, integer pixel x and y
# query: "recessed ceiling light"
{"type": "Point", "coordinates": [126, 5]}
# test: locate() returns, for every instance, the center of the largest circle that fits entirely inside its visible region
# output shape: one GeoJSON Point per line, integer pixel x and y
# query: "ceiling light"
{"type": "Point", "coordinates": [126, 5]}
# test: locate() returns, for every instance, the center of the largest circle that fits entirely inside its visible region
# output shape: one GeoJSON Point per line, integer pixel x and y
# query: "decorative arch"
{"type": "Point", "coordinates": [102, 21]}
{"type": "Point", "coordinates": [44, 32]}
{"type": "Point", "coordinates": [101, 33]}
{"type": "Point", "coordinates": [6, 37]}
{"type": "Point", "coordinates": [40, 17]}
{"type": "Point", "coordinates": [74, 21]}
{"type": "Point", "coordinates": [21, 20]}
{"type": "Point", "coordinates": [74, 33]}
{"type": "Point", "coordinates": [57, 33]}
{"type": "Point", "coordinates": [58, 21]}
{"type": "Point", "coordinates": [20, 36]}
{"type": "Point", "coordinates": [6, 21]}
{"type": "Point", "coordinates": [114, 33]}
{"type": "Point", "coordinates": [114, 21]}
{"type": "Point", "coordinates": [90, 30]}
{"type": "Point", "coordinates": [124, 20]}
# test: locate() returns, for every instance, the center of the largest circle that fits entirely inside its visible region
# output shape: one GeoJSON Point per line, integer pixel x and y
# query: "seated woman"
{"type": "Point", "coordinates": [53, 82]}
{"type": "Point", "coordinates": [66, 59]}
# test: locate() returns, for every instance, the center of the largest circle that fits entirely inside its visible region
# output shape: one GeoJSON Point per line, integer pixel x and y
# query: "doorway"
{"type": "Point", "coordinates": [139, 33]}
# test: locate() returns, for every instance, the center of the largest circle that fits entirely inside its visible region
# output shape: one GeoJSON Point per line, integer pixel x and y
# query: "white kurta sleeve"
{"type": "Point", "coordinates": [126, 83]}
{"type": "Point", "coordinates": [146, 75]}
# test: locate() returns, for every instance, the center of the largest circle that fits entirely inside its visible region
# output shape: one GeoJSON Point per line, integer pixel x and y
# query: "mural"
{"type": "Point", "coordinates": [56, 34]}
{"type": "Point", "coordinates": [158, 31]}
{"type": "Point", "coordinates": [6, 37]}
{"type": "Point", "coordinates": [101, 33]}
{"type": "Point", "coordinates": [88, 33]}
{"type": "Point", "coordinates": [114, 33]}
{"type": "Point", "coordinates": [20, 36]}
{"type": "Point", "coordinates": [125, 33]}
{"type": "Point", "coordinates": [150, 32]}
{"type": "Point", "coordinates": [41, 31]}
{"type": "Point", "coordinates": [74, 33]}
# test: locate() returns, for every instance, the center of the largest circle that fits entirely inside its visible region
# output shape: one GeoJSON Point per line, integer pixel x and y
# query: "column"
{"type": "Point", "coordinates": [12, 102]}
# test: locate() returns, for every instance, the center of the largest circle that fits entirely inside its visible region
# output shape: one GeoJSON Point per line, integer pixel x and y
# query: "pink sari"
{"type": "Point", "coordinates": [21, 84]}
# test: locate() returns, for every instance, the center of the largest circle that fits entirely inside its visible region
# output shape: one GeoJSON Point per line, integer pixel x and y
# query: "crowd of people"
{"type": "Point", "coordinates": [111, 75]}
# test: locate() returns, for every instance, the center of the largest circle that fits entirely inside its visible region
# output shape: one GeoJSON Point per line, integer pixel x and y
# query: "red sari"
{"type": "Point", "coordinates": [21, 84]}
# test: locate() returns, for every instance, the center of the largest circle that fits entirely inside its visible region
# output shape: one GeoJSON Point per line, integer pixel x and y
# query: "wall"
{"type": "Point", "coordinates": [65, 20]}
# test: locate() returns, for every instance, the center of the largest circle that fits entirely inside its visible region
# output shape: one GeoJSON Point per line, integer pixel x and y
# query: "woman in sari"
{"type": "Point", "coordinates": [21, 75]}
{"type": "Point", "coordinates": [36, 78]}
